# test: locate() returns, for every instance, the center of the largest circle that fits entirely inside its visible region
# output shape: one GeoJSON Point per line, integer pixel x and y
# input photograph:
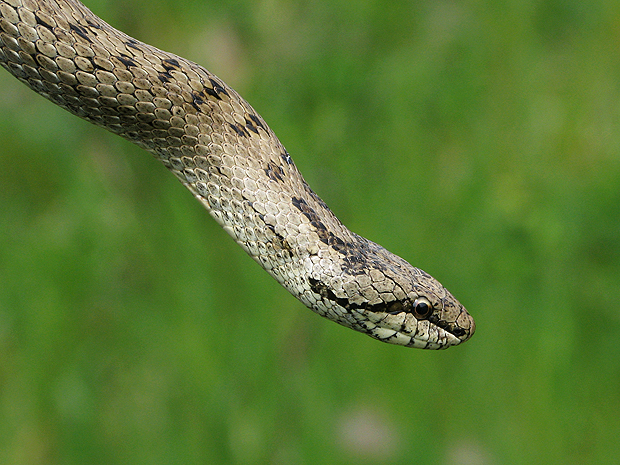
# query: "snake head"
{"type": "Point", "coordinates": [429, 317]}
{"type": "Point", "coordinates": [391, 301]}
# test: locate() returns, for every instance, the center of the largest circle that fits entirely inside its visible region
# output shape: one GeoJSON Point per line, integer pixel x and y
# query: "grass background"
{"type": "Point", "coordinates": [480, 140]}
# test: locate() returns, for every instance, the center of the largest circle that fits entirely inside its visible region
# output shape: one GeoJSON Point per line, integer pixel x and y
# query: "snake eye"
{"type": "Point", "coordinates": [422, 308]}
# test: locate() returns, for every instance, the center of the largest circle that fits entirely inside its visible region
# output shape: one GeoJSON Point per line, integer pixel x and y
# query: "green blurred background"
{"type": "Point", "coordinates": [480, 140]}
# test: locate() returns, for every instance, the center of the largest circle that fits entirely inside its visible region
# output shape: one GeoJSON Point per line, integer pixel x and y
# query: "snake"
{"type": "Point", "coordinates": [222, 150]}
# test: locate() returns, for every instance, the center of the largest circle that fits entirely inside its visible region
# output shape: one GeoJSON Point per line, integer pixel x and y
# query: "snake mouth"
{"type": "Point", "coordinates": [438, 339]}
{"type": "Point", "coordinates": [405, 330]}
{"type": "Point", "coordinates": [449, 338]}
{"type": "Point", "coordinates": [462, 327]}
{"type": "Point", "coordinates": [442, 340]}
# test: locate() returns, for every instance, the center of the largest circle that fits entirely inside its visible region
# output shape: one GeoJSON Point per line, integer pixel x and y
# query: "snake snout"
{"type": "Point", "coordinates": [464, 326]}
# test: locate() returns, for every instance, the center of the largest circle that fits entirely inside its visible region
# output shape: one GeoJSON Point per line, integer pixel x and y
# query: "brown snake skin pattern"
{"type": "Point", "coordinates": [226, 155]}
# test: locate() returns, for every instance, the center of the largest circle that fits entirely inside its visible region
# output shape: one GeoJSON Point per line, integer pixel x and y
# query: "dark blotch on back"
{"type": "Point", "coordinates": [164, 77]}
{"type": "Point", "coordinates": [326, 236]}
{"type": "Point", "coordinates": [287, 158]}
{"type": "Point", "coordinates": [241, 131]}
{"type": "Point", "coordinates": [170, 63]}
{"type": "Point", "coordinates": [42, 22]}
{"type": "Point", "coordinates": [257, 121]}
{"type": "Point", "coordinates": [250, 125]}
{"type": "Point", "coordinates": [274, 172]}
{"type": "Point", "coordinates": [314, 219]}
{"type": "Point", "coordinates": [212, 93]}
{"type": "Point", "coordinates": [92, 23]}
{"type": "Point", "coordinates": [133, 44]}
{"type": "Point", "coordinates": [217, 88]}
{"type": "Point", "coordinates": [278, 240]}
{"type": "Point", "coordinates": [127, 61]}
{"type": "Point", "coordinates": [81, 31]}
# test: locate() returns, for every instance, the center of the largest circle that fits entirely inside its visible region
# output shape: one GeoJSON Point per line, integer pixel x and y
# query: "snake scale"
{"type": "Point", "coordinates": [231, 161]}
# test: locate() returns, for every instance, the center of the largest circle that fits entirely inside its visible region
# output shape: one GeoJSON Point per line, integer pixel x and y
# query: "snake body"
{"type": "Point", "coordinates": [231, 161]}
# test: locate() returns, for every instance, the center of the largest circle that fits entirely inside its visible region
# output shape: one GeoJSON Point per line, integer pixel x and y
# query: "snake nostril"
{"type": "Point", "coordinates": [458, 332]}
